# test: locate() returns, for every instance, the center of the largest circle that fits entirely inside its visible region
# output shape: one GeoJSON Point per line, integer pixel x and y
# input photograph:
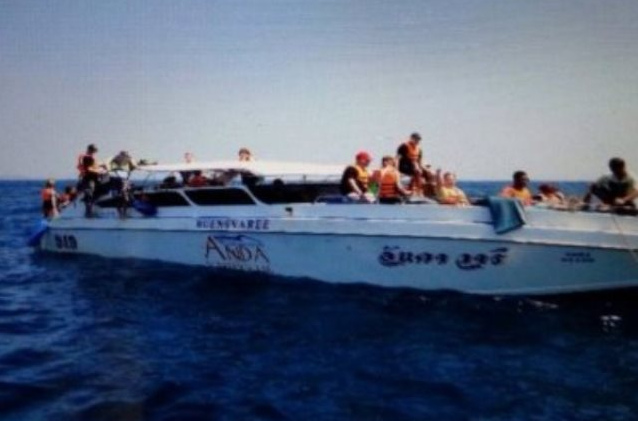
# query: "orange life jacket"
{"type": "Point", "coordinates": [388, 183]}
{"type": "Point", "coordinates": [47, 194]}
{"type": "Point", "coordinates": [413, 151]}
{"type": "Point", "coordinates": [362, 176]}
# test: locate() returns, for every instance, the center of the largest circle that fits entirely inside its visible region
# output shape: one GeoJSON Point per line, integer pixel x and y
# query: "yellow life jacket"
{"type": "Point", "coordinates": [363, 178]}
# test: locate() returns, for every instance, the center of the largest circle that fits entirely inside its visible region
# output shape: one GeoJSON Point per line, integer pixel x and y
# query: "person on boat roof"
{"type": "Point", "coordinates": [615, 189]}
{"type": "Point", "coordinates": [388, 179]}
{"type": "Point", "coordinates": [49, 199]}
{"type": "Point", "coordinates": [245, 155]}
{"type": "Point", "coordinates": [447, 192]}
{"type": "Point", "coordinates": [355, 179]}
{"type": "Point", "coordinates": [123, 161]}
{"type": "Point", "coordinates": [410, 157]}
{"type": "Point", "coordinates": [518, 189]}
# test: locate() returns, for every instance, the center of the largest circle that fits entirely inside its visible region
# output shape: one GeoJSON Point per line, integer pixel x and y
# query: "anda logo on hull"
{"type": "Point", "coordinates": [239, 252]}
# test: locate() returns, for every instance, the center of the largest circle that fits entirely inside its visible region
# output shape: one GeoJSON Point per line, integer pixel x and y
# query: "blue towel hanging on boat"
{"type": "Point", "coordinates": [38, 233]}
{"type": "Point", "coordinates": [507, 214]}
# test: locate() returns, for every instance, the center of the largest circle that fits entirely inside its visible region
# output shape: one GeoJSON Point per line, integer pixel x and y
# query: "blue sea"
{"type": "Point", "coordinates": [85, 338]}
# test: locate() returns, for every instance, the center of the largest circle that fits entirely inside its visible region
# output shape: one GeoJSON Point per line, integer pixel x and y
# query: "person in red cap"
{"type": "Point", "coordinates": [355, 179]}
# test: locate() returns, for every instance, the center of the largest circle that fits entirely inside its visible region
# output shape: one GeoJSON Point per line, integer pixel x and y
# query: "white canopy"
{"type": "Point", "coordinates": [260, 168]}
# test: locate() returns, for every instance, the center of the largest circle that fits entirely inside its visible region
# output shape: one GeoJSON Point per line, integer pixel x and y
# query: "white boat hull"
{"type": "Point", "coordinates": [463, 256]}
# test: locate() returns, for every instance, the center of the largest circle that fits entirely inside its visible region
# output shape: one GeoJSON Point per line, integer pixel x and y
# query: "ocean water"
{"type": "Point", "coordinates": [84, 338]}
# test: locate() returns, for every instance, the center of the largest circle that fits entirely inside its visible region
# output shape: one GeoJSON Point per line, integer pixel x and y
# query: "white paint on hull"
{"type": "Point", "coordinates": [470, 265]}
{"type": "Point", "coordinates": [428, 247]}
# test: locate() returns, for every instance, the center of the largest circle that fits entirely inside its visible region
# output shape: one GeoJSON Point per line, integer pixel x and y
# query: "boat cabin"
{"type": "Point", "coordinates": [232, 184]}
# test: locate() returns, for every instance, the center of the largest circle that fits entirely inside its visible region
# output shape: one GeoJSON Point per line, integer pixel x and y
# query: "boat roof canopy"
{"type": "Point", "coordinates": [259, 168]}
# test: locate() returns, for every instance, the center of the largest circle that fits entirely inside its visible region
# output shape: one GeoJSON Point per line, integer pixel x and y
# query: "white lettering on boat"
{"type": "Point", "coordinates": [238, 252]}
{"type": "Point", "coordinates": [233, 224]}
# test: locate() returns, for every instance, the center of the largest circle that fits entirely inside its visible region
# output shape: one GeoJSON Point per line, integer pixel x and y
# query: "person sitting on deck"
{"type": "Point", "coordinates": [49, 199]}
{"type": "Point", "coordinates": [549, 195]}
{"type": "Point", "coordinates": [518, 189]}
{"type": "Point", "coordinates": [410, 157]}
{"type": "Point", "coordinates": [197, 180]}
{"type": "Point", "coordinates": [447, 192]}
{"type": "Point", "coordinates": [355, 179]}
{"type": "Point", "coordinates": [615, 189]}
{"type": "Point", "coordinates": [388, 179]}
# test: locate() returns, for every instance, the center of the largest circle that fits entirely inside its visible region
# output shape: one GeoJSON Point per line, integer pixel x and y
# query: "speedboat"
{"type": "Point", "coordinates": [288, 219]}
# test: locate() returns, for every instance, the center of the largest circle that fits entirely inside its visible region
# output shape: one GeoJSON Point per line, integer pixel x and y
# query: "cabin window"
{"type": "Point", "coordinates": [158, 199]}
{"type": "Point", "coordinates": [279, 192]}
{"type": "Point", "coordinates": [219, 197]}
{"type": "Point", "coordinates": [111, 202]}
{"type": "Point", "coordinates": [166, 199]}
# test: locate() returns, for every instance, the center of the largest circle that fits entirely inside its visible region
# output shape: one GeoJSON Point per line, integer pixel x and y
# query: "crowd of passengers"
{"type": "Point", "coordinates": [386, 185]}
{"type": "Point", "coordinates": [91, 174]}
{"type": "Point", "coordinates": [96, 178]}
{"type": "Point", "coordinates": [405, 177]}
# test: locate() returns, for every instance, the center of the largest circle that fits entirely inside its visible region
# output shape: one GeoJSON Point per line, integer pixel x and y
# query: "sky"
{"type": "Point", "coordinates": [493, 86]}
